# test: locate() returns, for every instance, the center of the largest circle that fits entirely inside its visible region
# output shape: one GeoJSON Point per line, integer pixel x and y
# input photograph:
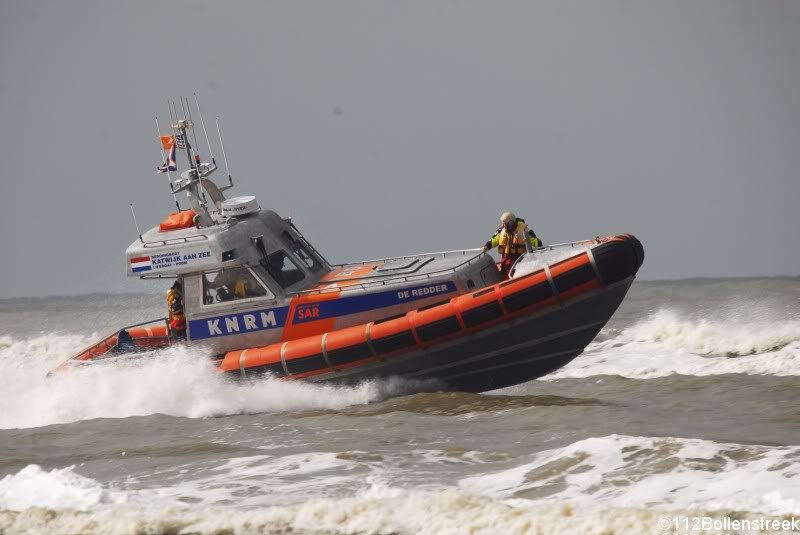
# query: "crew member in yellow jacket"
{"type": "Point", "coordinates": [510, 240]}
{"type": "Point", "coordinates": [177, 318]}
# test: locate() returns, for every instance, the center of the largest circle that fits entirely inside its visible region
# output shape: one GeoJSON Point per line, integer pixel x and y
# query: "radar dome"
{"type": "Point", "coordinates": [239, 206]}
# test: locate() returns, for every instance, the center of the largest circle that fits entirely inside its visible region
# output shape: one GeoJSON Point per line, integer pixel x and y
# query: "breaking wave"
{"type": "Point", "coordinates": [668, 342]}
{"type": "Point", "coordinates": [731, 337]}
{"type": "Point", "coordinates": [178, 382]}
{"type": "Point", "coordinates": [400, 513]}
{"type": "Point", "coordinates": [665, 473]}
{"type": "Point", "coordinates": [60, 488]}
{"type": "Point", "coordinates": [614, 484]}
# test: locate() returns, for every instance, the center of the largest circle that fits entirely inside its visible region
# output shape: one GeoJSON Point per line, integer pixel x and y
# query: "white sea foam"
{"type": "Point", "coordinates": [377, 511]}
{"type": "Point", "coordinates": [40, 352]}
{"type": "Point", "coordinates": [177, 382]}
{"type": "Point", "coordinates": [666, 343]}
{"type": "Point", "coordinates": [259, 480]}
{"type": "Point", "coordinates": [651, 360]}
{"type": "Point", "coordinates": [731, 335]}
{"type": "Point", "coordinates": [61, 488]}
{"type": "Point", "coordinates": [664, 473]}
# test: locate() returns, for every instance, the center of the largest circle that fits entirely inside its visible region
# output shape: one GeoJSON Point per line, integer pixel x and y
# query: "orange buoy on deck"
{"type": "Point", "coordinates": [178, 220]}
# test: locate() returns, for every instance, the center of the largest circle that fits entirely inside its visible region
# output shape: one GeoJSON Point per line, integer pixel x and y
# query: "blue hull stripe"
{"type": "Point", "coordinates": [273, 318]}
{"type": "Point", "coordinates": [363, 303]}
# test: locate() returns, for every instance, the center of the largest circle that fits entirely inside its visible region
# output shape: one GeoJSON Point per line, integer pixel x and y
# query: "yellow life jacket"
{"type": "Point", "coordinates": [240, 289]}
{"type": "Point", "coordinates": [175, 305]}
{"type": "Point", "coordinates": [512, 244]}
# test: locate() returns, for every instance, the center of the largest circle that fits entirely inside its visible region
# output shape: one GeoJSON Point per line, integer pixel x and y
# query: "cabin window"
{"type": "Point", "coordinates": [232, 285]}
{"type": "Point", "coordinates": [302, 252]}
{"type": "Point", "coordinates": [282, 269]}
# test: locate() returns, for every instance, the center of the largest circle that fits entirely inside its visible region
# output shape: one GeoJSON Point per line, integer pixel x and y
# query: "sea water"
{"type": "Point", "coordinates": [686, 407]}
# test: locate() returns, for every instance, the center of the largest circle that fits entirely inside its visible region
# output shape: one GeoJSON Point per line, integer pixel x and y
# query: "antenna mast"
{"type": "Point", "coordinates": [205, 132]}
{"type": "Point", "coordinates": [136, 224]}
{"type": "Point", "coordinates": [192, 177]}
{"type": "Point", "coordinates": [194, 181]}
{"type": "Point", "coordinates": [191, 121]}
{"type": "Point", "coordinates": [187, 111]}
{"type": "Point", "coordinates": [224, 158]}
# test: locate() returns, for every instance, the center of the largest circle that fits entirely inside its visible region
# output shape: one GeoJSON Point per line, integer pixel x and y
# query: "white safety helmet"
{"type": "Point", "coordinates": [506, 217]}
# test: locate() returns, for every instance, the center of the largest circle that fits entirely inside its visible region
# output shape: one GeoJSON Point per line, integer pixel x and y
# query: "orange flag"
{"type": "Point", "coordinates": [167, 142]}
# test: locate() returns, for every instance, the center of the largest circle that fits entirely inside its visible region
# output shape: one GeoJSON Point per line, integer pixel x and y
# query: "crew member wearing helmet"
{"type": "Point", "coordinates": [511, 239]}
{"type": "Point", "coordinates": [177, 319]}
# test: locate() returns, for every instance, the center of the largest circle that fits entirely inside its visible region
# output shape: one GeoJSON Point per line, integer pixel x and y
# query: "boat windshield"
{"type": "Point", "coordinates": [232, 284]}
{"type": "Point", "coordinates": [302, 252]}
{"type": "Point", "coordinates": [282, 269]}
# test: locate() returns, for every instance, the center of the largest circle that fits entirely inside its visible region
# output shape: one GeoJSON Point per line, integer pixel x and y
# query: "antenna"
{"type": "Point", "coordinates": [173, 110]}
{"type": "Point", "coordinates": [194, 136]}
{"type": "Point", "coordinates": [186, 135]}
{"type": "Point", "coordinates": [172, 116]}
{"type": "Point", "coordinates": [203, 124]}
{"type": "Point", "coordinates": [183, 107]}
{"type": "Point", "coordinates": [194, 183]}
{"type": "Point", "coordinates": [166, 165]}
{"type": "Point", "coordinates": [225, 158]}
{"type": "Point", "coordinates": [136, 224]}
{"type": "Point", "coordinates": [194, 163]}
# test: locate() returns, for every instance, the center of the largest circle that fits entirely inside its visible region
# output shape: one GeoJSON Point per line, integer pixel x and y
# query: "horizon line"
{"type": "Point", "coordinates": [695, 279]}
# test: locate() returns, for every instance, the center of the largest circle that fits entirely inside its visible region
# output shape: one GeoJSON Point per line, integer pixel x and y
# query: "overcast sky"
{"type": "Point", "coordinates": [389, 128]}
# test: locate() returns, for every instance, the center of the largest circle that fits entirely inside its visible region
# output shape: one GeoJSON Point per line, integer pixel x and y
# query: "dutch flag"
{"type": "Point", "coordinates": [141, 263]}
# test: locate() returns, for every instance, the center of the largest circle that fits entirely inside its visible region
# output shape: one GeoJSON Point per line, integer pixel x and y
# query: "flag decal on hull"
{"type": "Point", "coordinates": [141, 263]}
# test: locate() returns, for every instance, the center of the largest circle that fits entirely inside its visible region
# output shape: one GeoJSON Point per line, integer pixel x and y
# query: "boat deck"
{"type": "Point", "coordinates": [397, 270]}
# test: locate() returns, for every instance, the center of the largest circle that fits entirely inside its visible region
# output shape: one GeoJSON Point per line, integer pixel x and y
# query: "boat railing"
{"type": "Point", "coordinates": [456, 252]}
{"type": "Point", "coordinates": [399, 278]}
{"type": "Point", "coordinates": [142, 324]}
{"type": "Point", "coordinates": [424, 276]}
{"type": "Point", "coordinates": [581, 243]}
{"type": "Point", "coordinates": [175, 241]}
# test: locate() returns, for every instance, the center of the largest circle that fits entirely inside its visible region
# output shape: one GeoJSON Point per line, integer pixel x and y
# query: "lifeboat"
{"type": "Point", "coordinates": [497, 336]}
{"type": "Point", "coordinates": [259, 300]}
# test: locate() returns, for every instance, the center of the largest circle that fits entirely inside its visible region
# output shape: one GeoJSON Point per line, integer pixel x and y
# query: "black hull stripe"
{"type": "Point", "coordinates": [522, 345]}
{"type": "Point", "coordinates": [394, 342]}
{"type": "Point", "coordinates": [438, 329]}
{"type": "Point", "coordinates": [528, 296]}
{"type": "Point", "coordinates": [574, 277]}
{"type": "Point", "coordinates": [306, 364]}
{"type": "Point", "coordinates": [349, 354]}
{"type": "Point", "coordinates": [482, 314]}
